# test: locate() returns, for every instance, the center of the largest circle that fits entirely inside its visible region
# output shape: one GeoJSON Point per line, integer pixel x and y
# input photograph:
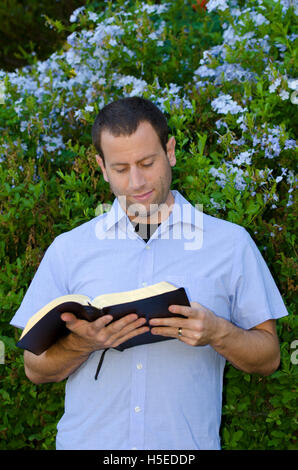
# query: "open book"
{"type": "Point", "coordinates": [45, 327]}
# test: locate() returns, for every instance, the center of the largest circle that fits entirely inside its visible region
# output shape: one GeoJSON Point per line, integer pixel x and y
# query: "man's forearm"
{"type": "Point", "coordinates": [253, 351]}
{"type": "Point", "coordinates": [57, 363]}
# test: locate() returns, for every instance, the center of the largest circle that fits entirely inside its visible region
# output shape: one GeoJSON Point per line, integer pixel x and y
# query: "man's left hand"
{"type": "Point", "coordinates": [198, 329]}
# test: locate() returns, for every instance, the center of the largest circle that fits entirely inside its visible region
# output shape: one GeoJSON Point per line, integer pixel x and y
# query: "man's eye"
{"type": "Point", "coordinates": [147, 164]}
{"type": "Point", "coordinates": [121, 171]}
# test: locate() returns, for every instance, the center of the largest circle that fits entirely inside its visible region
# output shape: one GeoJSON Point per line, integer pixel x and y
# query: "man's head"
{"type": "Point", "coordinates": [135, 155]}
{"type": "Point", "coordinates": [123, 117]}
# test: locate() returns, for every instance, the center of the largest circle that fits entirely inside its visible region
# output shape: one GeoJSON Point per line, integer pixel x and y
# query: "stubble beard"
{"type": "Point", "coordinates": [158, 209]}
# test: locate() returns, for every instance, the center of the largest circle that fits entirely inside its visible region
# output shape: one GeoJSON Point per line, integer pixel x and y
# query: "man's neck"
{"type": "Point", "coordinates": [145, 231]}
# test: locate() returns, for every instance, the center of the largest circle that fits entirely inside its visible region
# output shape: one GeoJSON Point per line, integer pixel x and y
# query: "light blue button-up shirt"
{"type": "Point", "coordinates": [165, 395]}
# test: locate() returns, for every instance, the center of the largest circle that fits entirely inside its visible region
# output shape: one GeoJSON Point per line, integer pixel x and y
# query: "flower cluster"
{"type": "Point", "coordinates": [217, 4]}
{"type": "Point", "coordinates": [224, 104]}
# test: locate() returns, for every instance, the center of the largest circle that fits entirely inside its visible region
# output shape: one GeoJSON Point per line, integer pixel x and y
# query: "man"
{"type": "Point", "coordinates": [165, 395]}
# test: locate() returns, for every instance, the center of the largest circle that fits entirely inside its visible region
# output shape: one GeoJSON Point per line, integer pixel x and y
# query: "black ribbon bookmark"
{"type": "Point", "coordinates": [100, 363]}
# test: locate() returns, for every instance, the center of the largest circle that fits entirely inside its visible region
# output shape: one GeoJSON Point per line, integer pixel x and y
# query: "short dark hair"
{"type": "Point", "coordinates": [123, 117]}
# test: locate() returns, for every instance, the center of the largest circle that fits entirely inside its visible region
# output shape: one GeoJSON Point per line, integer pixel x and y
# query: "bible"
{"type": "Point", "coordinates": [45, 327]}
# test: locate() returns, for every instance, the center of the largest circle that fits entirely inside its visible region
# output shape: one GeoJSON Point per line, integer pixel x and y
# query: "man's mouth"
{"type": "Point", "coordinates": [143, 197]}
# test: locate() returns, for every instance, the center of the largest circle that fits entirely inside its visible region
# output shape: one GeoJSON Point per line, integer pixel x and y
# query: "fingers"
{"type": "Point", "coordinates": [197, 330]}
{"type": "Point", "coordinates": [68, 317]}
{"type": "Point", "coordinates": [173, 332]}
{"type": "Point", "coordinates": [190, 337]}
{"type": "Point", "coordinates": [172, 322]}
{"type": "Point", "coordinates": [102, 333]}
{"type": "Point", "coordinates": [120, 324]}
{"type": "Point", "coordinates": [193, 311]}
{"type": "Point", "coordinates": [124, 328]}
{"type": "Point", "coordinates": [72, 322]}
{"type": "Point", "coordinates": [136, 331]}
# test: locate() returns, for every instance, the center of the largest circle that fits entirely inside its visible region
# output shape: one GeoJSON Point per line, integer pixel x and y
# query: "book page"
{"type": "Point", "coordinates": [106, 300]}
{"type": "Point", "coordinates": [82, 299]}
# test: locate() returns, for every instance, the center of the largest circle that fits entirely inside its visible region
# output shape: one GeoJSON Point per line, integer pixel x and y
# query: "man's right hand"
{"type": "Point", "coordinates": [101, 333]}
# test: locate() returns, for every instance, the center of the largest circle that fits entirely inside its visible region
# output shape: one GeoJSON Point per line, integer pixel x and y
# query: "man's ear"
{"type": "Point", "coordinates": [100, 163]}
{"type": "Point", "coordinates": [171, 151]}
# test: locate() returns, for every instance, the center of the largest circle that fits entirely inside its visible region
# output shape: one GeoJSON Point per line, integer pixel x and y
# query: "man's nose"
{"type": "Point", "coordinates": [136, 178]}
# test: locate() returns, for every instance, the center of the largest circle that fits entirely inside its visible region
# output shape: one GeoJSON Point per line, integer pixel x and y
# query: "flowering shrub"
{"type": "Point", "coordinates": [224, 74]}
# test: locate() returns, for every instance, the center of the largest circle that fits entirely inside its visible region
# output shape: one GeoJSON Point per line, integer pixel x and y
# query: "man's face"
{"type": "Point", "coordinates": [138, 170]}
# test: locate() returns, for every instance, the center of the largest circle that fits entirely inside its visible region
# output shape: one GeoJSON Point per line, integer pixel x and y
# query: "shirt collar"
{"type": "Point", "coordinates": [182, 212]}
{"type": "Point", "coordinates": [115, 214]}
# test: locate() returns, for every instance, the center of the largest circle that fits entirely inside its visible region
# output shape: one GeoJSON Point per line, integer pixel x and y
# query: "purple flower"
{"type": "Point", "coordinates": [225, 104]}
{"type": "Point", "coordinates": [290, 144]}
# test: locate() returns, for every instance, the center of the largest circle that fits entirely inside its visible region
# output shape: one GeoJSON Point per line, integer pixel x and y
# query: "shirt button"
{"type": "Point", "coordinates": [134, 448]}
{"type": "Point", "coordinates": [139, 366]}
{"type": "Point", "coordinates": [137, 409]}
{"type": "Point", "coordinates": [144, 284]}
{"type": "Point", "coordinates": [147, 247]}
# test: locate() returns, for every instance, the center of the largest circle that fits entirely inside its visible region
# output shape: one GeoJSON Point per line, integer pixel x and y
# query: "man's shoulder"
{"type": "Point", "coordinates": [212, 225]}
{"type": "Point", "coordinates": [225, 236]}
{"type": "Point", "coordinates": [85, 232]}
{"type": "Point", "coordinates": [219, 225]}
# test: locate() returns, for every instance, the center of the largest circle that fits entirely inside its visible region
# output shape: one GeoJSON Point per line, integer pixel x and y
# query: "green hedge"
{"type": "Point", "coordinates": [225, 78]}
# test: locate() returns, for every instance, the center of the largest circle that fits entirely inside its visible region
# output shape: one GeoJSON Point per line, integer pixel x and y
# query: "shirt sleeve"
{"type": "Point", "coordinates": [48, 283]}
{"type": "Point", "coordinates": [255, 297]}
